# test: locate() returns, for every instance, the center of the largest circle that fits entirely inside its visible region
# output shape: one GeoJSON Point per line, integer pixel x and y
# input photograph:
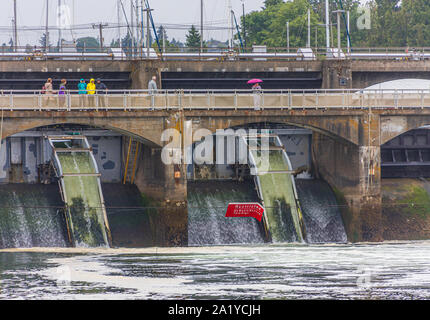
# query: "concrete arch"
{"type": "Point", "coordinates": [394, 126]}
{"type": "Point", "coordinates": [343, 129]}
{"type": "Point", "coordinates": [140, 129]}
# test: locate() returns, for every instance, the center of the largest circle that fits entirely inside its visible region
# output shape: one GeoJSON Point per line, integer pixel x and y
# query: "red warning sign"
{"type": "Point", "coordinates": [250, 210]}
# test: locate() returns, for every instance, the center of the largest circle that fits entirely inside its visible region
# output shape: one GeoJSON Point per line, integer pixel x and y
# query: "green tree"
{"type": "Point", "coordinates": [42, 41]}
{"type": "Point", "coordinates": [87, 44]}
{"type": "Point", "coordinates": [193, 39]}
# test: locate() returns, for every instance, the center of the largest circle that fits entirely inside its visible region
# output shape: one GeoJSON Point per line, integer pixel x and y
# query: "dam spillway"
{"type": "Point", "coordinates": [273, 176]}
{"type": "Point", "coordinates": [81, 190]}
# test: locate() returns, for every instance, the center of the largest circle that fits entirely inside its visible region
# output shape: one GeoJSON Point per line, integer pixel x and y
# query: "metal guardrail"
{"type": "Point", "coordinates": [216, 53]}
{"type": "Point", "coordinates": [215, 100]}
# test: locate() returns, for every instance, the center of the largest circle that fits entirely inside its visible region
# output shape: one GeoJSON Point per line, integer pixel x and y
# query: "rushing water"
{"type": "Point", "coordinates": [207, 206]}
{"type": "Point", "coordinates": [361, 271]}
{"type": "Point", "coordinates": [321, 213]}
{"type": "Point", "coordinates": [83, 198]}
{"type": "Point", "coordinates": [279, 199]}
{"type": "Point", "coordinates": [31, 216]}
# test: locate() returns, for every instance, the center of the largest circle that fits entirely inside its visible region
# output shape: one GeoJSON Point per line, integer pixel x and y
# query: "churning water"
{"type": "Point", "coordinates": [207, 206]}
{"type": "Point", "coordinates": [31, 216]}
{"type": "Point", "coordinates": [361, 271]}
{"type": "Point", "coordinates": [321, 213]}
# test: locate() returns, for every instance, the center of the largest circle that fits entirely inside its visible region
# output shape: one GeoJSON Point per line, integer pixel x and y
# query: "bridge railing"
{"type": "Point", "coordinates": [214, 99]}
{"type": "Point", "coordinates": [219, 53]}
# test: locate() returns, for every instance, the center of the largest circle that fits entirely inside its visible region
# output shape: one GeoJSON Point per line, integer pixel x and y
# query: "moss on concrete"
{"type": "Point", "coordinates": [405, 209]}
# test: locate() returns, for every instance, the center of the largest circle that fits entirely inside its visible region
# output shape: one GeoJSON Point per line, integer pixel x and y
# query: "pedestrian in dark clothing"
{"type": "Point", "coordinates": [101, 90]}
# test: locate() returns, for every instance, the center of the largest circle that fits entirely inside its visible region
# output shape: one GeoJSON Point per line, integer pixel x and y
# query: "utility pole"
{"type": "Point", "coordinates": [132, 28]}
{"type": "Point", "coordinates": [244, 22]}
{"type": "Point", "coordinates": [138, 35]}
{"type": "Point", "coordinates": [100, 26]}
{"type": "Point", "coordinates": [288, 36]}
{"type": "Point", "coordinates": [118, 3]}
{"type": "Point", "coordinates": [47, 27]}
{"type": "Point", "coordinates": [327, 24]}
{"type": "Point", "coordinates": [148, 35]}
{"type": "Point", "coordinates": [142, 24]}
{"type": "Point", "coordinates": [15, 28]}
{"type": "Point", "coordinates": [60, 36]}
{"type": "Point", "coordinates": [201, 25]}
{"type": "Point", "coordinates": [230, 10]}
{"type": "Point", "coordinates": [309, 29]}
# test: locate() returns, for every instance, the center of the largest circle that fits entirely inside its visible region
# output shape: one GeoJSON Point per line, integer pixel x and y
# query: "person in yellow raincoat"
{"type": "Point", "coordinates": [91, 91]}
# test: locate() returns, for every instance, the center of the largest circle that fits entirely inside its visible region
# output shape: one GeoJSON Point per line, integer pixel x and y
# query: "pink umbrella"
{"type": "Point", "coordinates": [254, 81]}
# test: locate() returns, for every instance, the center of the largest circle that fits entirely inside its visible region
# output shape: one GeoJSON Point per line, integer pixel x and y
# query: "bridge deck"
{"type": "Point", "coordinates": [316, 99]}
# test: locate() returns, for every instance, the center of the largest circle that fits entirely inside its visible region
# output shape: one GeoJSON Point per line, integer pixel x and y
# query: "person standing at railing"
{"type": "Point", "coordinates": [91, 91]}
{"type": "Point", "coordinates": [82, 91]}
{"type": "Point", "coordinates": [256, 89]}
{"type": "Point", "coordinates": [62, 93]}
{"type": "Point", "coordinates": [101, 92]}
{"type": "Point", "coordinates": [152, 90]}
{"type": "Point", "coordinates": [48, 90]}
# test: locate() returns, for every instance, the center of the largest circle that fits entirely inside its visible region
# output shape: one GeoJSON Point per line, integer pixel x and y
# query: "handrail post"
{"type": "Point", "coordinates": [290, 99]}
{"type": "Point", "coordinates": [235, 100]}
{"type": "Point", "coordinates": [396, 98]}
{"type": "Point", "coordinates": [282, 99]}
{"type": "Point", "coordinates": [262, 100]}
{"type": "Point", "coordinates": [69, 101]}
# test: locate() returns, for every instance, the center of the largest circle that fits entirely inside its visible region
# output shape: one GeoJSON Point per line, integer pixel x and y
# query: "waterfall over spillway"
{"type": "Point", "coordinates": [81, 188]}
{"type": "Point", "coordinates": [279, 199]}
{"type": "Point", "coordinates": [31, 216]}
{"type": "Point", "coordinates": [321, 213]}
{"type": "Point", "coordinates": [207, 206]}
{"type": "Point", "coordinates": [83, 199]}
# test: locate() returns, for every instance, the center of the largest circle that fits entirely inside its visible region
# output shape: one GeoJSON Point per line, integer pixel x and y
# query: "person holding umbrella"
{"type": "Point", "coordinates": [256, 89]}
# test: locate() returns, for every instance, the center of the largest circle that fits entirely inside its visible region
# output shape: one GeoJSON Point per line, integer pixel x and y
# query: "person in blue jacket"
{"type": "Point", "coordinates": [82, 90]}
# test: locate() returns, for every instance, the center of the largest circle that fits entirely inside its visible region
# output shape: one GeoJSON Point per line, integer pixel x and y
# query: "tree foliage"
{"type": "Point", "coordinates": [394, 23]}
{"type": "Point", "coordinates": [87, 44]}
{"type": "Point", "coordinates": [193, 38]}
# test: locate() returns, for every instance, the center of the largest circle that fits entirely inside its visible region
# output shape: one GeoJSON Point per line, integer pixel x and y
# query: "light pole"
{"type": "Point", "coordinates": [201, 25]}
{"type": "Point", "coordinates": [327, 24]}
{"type": "Point", "coordinates": [47, 27]}
{"type": "Point", "coordinates": [244, 22]}
{"type": "Point", "coordinates": [148, 45]}
{"type": "Point", "coordinates": [338, 12]}
{"type": "Point", "coordinates": [309, 29]}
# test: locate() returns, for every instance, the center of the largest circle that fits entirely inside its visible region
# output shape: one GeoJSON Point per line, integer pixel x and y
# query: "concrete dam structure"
{"type": "Point", "coordinates": [340, 151]}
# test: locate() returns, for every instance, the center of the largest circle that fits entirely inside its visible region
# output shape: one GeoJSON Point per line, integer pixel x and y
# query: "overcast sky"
{"type": "Point", "coordinates": [33, 13]}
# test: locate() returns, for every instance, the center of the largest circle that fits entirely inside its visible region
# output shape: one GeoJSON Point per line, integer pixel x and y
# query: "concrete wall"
{"type": "Point", "coordinates": [357, 73]}
{"type": "Point", "coordinates": [20, 157]}
{"type": "Point", "coordinates": [354, 174]}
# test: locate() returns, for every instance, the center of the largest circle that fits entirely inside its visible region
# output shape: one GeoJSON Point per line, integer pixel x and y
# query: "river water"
{"type": "Point", "coordinates": [398, 270]}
